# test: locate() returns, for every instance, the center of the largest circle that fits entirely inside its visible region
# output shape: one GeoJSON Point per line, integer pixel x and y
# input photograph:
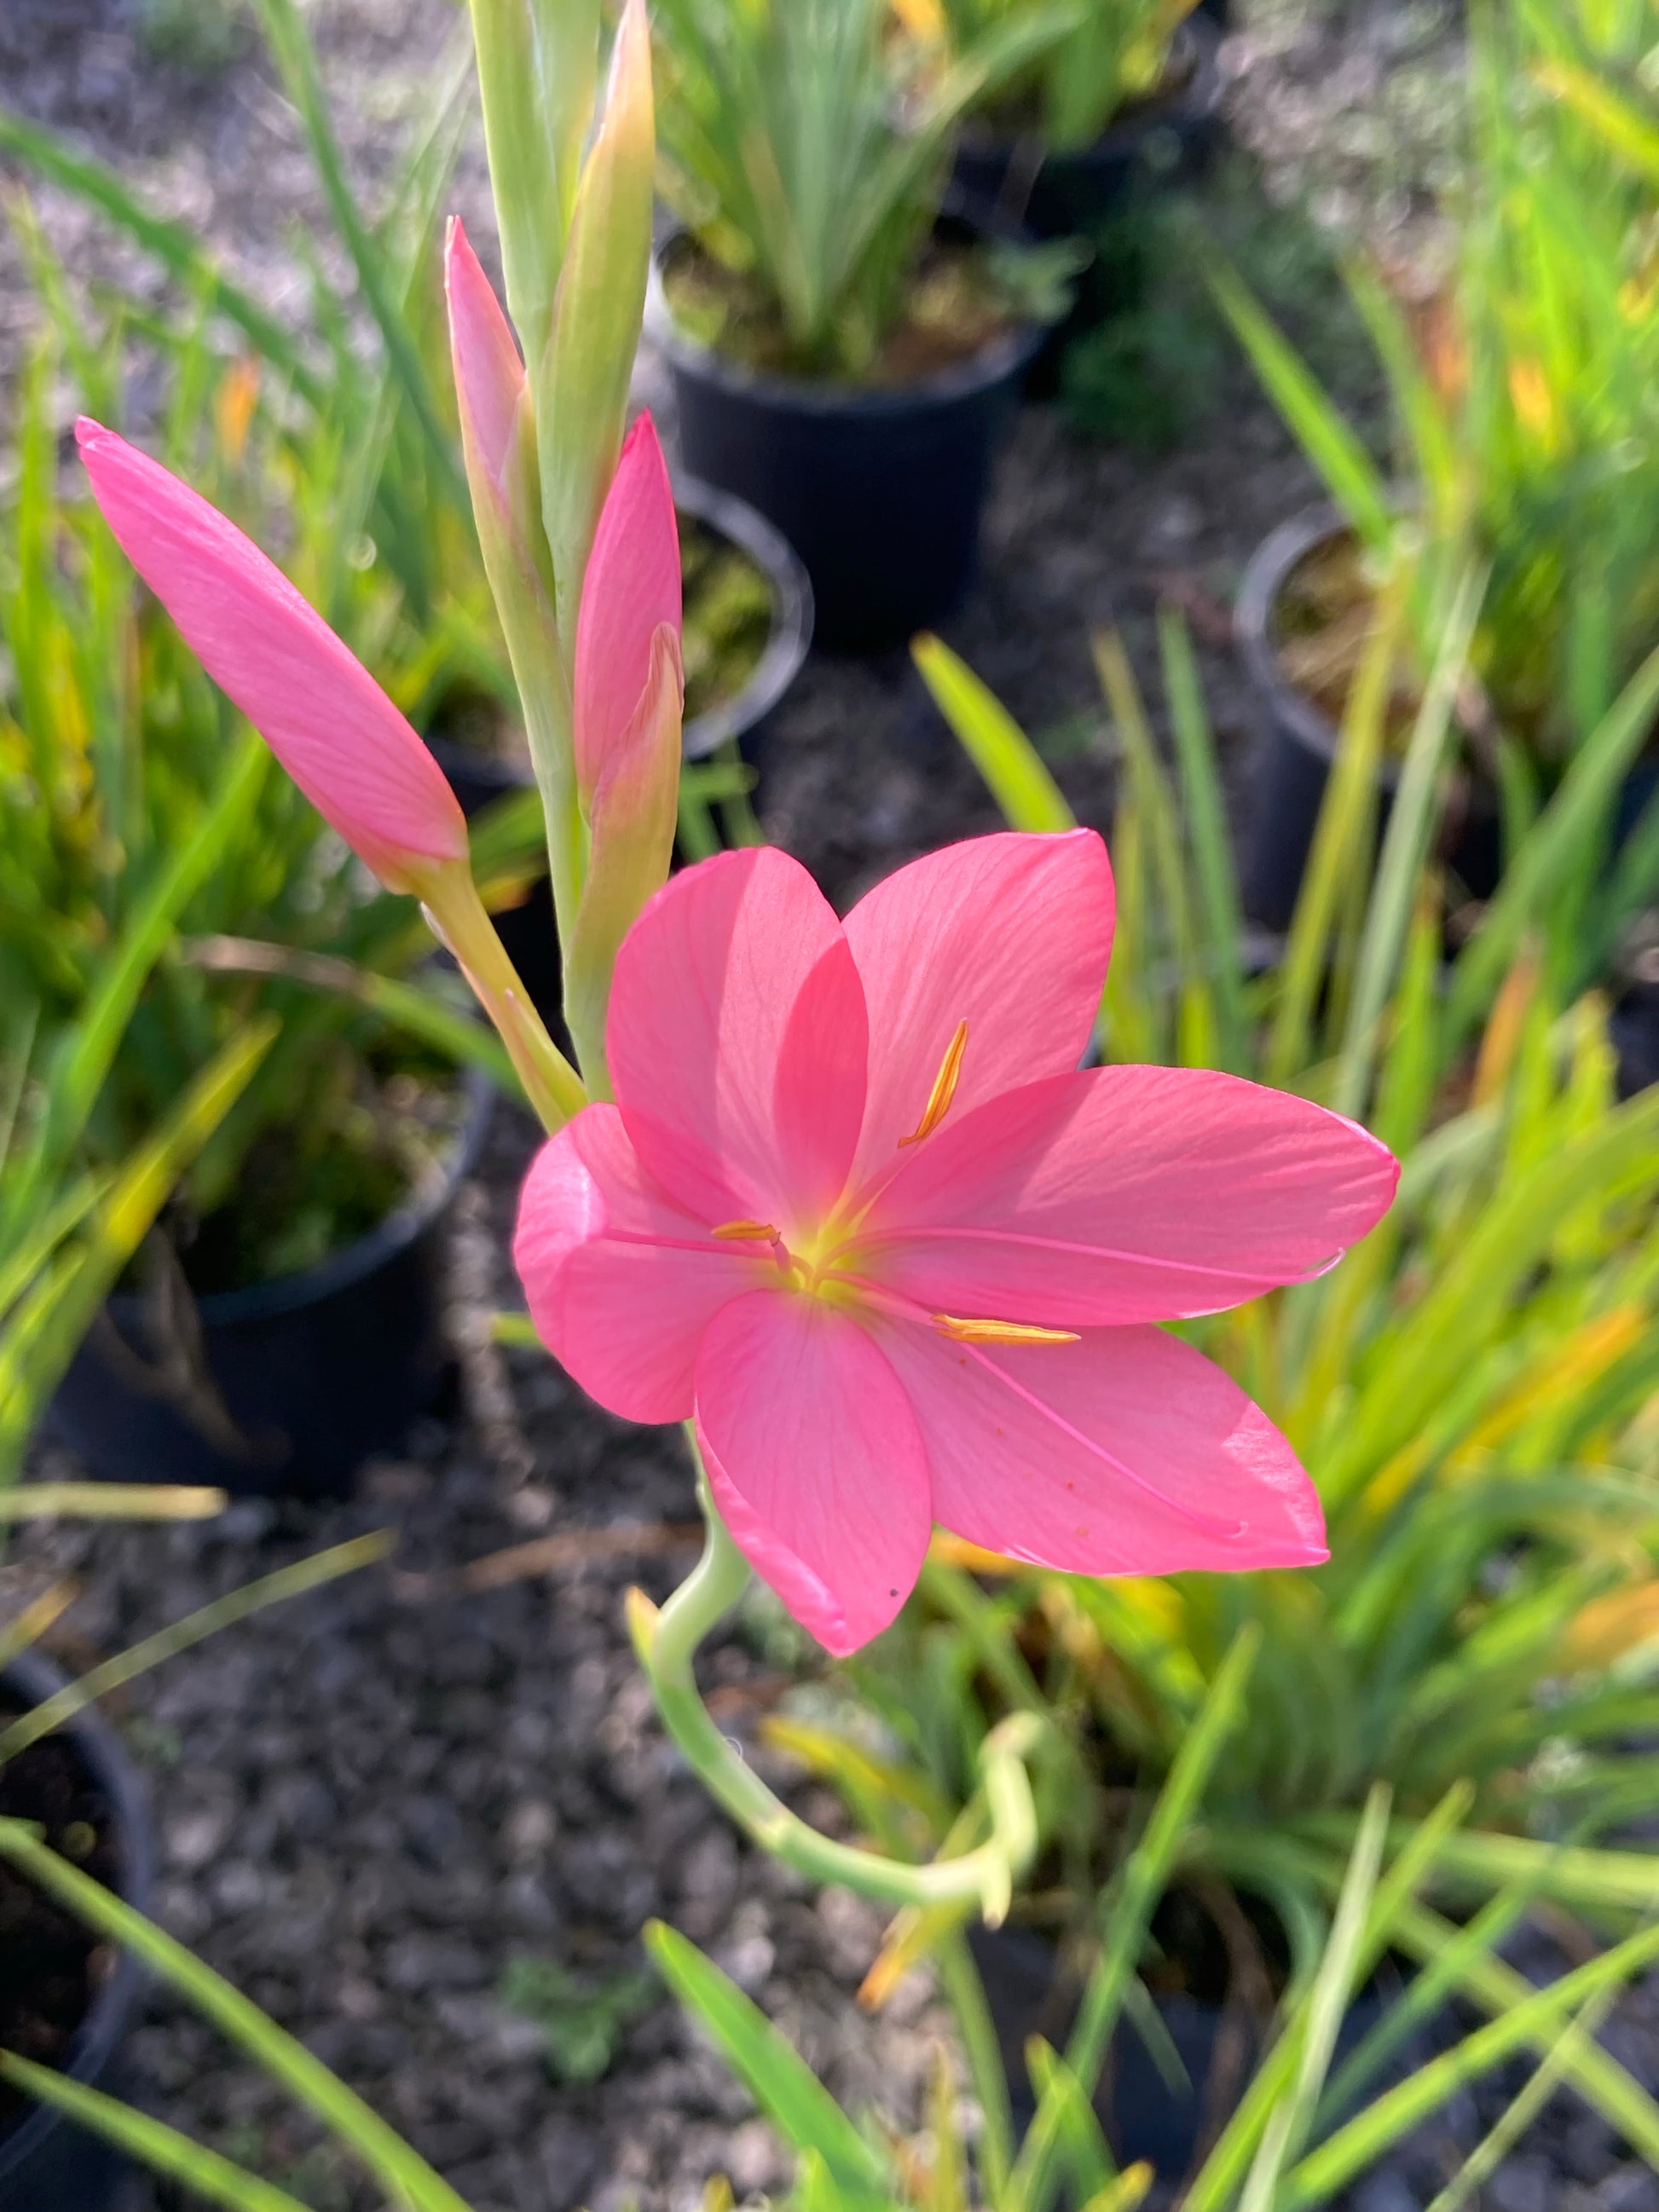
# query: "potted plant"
{"type": "Point", "coordinates": [1521, 393]}
{"type": "Point", "coordinates": [281, 1320]}
{"type": "Point", "coordinates": [1122, 98]}
{"type": "Point", "coordinates": [844, 354]}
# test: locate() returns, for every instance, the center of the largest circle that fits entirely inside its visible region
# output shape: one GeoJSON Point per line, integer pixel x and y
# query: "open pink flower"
{"type": "Point", "coordinates": [857, 1211]}
{"type": "Point", "coordinates": [317, 707]}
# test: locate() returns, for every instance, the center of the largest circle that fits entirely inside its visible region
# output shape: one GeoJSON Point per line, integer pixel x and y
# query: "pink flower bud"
{"type": "Point", "coordinates": [489, 377]}
{"type": "Point", "coordinates": [631, 590]}
{"type": "Point", "coordinates": [320, 710]}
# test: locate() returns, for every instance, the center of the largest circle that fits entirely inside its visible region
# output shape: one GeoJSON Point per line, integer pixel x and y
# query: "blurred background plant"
{"type": "Point", "coordinates": [1473, 1390]}
{"type": "Point", "coordinates": [67, 1229]}
{"type": "Point", "coordinates": [1524, 390]}
{"type": "Point", "coordinates": [341, 457]}
{"type": "Point", "coordinates": [1093, 61]}
{"type": "Point", "coordinates": [806, 152]}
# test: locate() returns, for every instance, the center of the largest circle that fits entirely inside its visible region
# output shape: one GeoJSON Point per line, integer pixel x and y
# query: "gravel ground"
{"type": "Point", "coordinates": [375, 1800]}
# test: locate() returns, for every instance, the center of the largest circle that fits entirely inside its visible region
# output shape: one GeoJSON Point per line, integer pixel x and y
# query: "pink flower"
{"type": "Point", "coordinates": [630, 592]}
{"type": "Point", "coordinates": [320, 711]}
{"type": "Point", "coordinates": [856, 1210]}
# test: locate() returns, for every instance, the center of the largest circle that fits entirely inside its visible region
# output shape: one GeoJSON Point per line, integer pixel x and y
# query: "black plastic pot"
{"type": "Point", "coordinates": [1160, 141]}
{"type": "Point", "coordinates": [1296, 742]}
{"type": "Point", "coordinates": [48, 2164]}
{"type": "Point", "coordinates": [317, 1371]}
{"type": "Point", "coordinates": [747, 718]}
{"type": "Point", "coordinates": [879, 491]}
{"type": "Point", "coordinates": [1144, 2117]}
{"type": "Point", "coordinates": [528, 930]}
{"type": "Point", "coordinates": [1633, 1023]}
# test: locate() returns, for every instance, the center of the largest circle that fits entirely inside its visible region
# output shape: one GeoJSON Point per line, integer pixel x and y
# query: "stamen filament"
{"type": "Point", "coordinates": [944, 1090]}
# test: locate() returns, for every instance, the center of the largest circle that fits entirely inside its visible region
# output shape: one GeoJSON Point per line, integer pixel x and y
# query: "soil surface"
{"type": "Point", "coordinates": [389, 1805]}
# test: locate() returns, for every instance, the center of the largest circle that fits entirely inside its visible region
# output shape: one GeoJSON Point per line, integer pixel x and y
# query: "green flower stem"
{"type": "Point", "coordinates": [458, 918]}
{"type": "Point", "coordinates": [666, 1642]}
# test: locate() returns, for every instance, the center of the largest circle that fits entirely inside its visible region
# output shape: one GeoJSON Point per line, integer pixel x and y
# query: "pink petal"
{"type": "Point", "coordinates": [1125, 1195]}
{"type": "Point", "coordinates": [489, 378]}
{"type": "Point", "coordinates": [736, 1040]}
{"type": "Point", "coordinates": [621, 1282]}
{"type": "Point", "coordinates": [1010, 933]}
{"type": "Point", "coordinates": [1125, 1453]}
{"type": "Point", "coordinates": [320, 710]}
{"type": "Point", "coordinates": [815, 1461]}
{"type": "Point", "coordinates": [631, 588]}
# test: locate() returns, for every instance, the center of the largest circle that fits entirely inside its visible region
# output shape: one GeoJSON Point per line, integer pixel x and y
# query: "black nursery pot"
{"type": "Point", "coordinates": [1297, 742]}
{"type": "Point", "coordinates": [1633, 1023]}
{"type": "Point", "coordinates": [1162, 140]}
{"type": "Point", "coordinates": [746, 719]}
{"type": "Point", "coordinates": [1143, 2116]}
{"type": "Point", "coordinates": [317, 1371]}
{"type": "Point", "coordinates": [47, 2163]}
{"type": "Point", "coordinates": [880, 492]}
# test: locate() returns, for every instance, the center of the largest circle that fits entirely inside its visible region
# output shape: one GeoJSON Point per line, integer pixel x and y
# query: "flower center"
{"type": "Point", "coordinates": [811, 1269]}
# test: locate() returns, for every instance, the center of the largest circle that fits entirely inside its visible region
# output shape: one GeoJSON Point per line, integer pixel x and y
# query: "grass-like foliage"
{"type": "Point", "coordinates": [137, 812]}
{"type": "Point", "coordinates": [1471, 1389]}
{"type": "Point", "coordinates": [1522, 389]}
{"type": "Point", "coordinates": [1107, 54]}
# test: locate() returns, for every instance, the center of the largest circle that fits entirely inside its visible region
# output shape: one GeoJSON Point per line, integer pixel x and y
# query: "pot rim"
{"type": "Point", "coordinates": [998, 361]}
{"type": "Point", "coordinates": [790, 638]}
{"type": "Point", "coordinates": [1196, 100]}
{"type": "Point", "coordinates": [256, 1301]}
{"type": "Point", "coordinates": [110, 2015]}
{"type": "Point", "coordinates": [1266, 574]}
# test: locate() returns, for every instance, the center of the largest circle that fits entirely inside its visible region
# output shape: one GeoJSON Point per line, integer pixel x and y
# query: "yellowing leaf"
{"type": "Point", "coordinates": [1608, 1627]}
{"type": "Point", "coordinates": [1576, 1363]}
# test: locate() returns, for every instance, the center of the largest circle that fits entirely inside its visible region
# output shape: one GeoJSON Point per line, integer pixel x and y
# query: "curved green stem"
{"type": "Point", "coordinates": [666, 1642]}
{"type": "Point", "coordinates": [458, 918]}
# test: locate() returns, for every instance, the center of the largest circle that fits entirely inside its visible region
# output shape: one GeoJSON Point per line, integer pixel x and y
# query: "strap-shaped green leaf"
{"type": "Point", "coordinates": [786, 2090]}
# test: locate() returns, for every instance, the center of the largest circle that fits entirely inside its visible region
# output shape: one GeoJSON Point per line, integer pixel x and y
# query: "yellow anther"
{"type": "Point", "coordinates": [999, 1332]}
{"type": "Point", "coordinates": [944, 1090]}
{"type": "Point", "coordinates": [740, 1232]}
